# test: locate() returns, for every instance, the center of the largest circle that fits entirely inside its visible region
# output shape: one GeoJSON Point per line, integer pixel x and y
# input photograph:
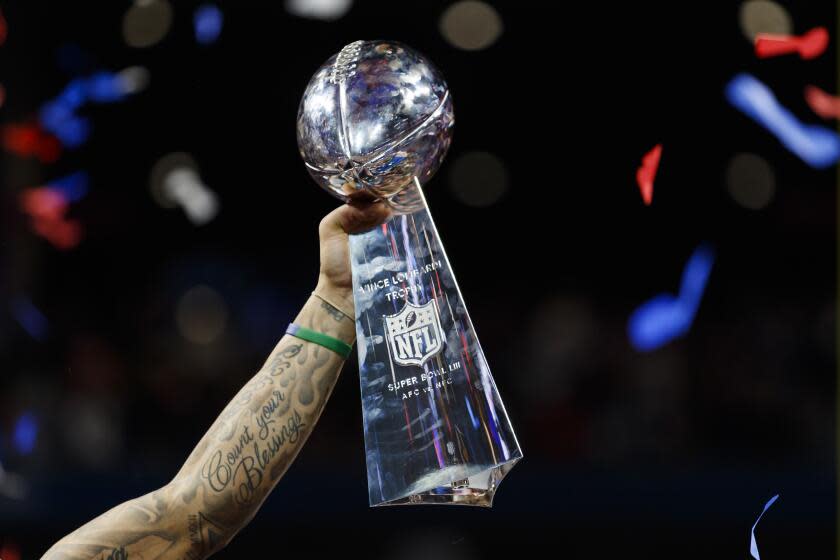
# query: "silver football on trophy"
{"type": "Point", "coordinates": [373, 118]}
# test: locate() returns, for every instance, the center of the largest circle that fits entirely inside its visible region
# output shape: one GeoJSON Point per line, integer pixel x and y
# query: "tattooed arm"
{"type": "Point", "coordinates": [257, 436]}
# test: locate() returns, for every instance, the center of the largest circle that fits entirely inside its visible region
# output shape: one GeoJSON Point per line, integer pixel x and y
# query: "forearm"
{"type": "Point", "coordinates": [258, 435]}
{"type": "Point", "coordinates": [244, 453]}
{"type": "Point", "coordinates": [238, 461]}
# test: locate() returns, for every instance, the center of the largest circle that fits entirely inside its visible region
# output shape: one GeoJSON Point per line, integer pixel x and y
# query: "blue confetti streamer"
{"type": "Point", "coordinates": [207, 22]}
{"type": "Point", "coordinates": [753, 545]}
{"type": "Point", "coordinates": [816, 145]}
{"type": "Point", "coordinates": [74, 187]}
{"type": "Point", "coordinates": [665, 317]}
{"type": "Point", "coordinates": [29, 317]}
{"type": "Point", "coordinates": [72, 97]}
{"type": "Point", "coordinates": [59, 117]}
{"type": "Point", "coordinates": [25, 433]}
{"type": "Point", "coordinates": [105, 87]}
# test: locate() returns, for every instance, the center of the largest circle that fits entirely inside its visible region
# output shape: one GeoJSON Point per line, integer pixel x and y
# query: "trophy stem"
{"type": "Point", "coordinates": [436, 430]}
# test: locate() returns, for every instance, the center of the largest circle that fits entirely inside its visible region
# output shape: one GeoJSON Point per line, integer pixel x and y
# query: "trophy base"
{"type": "Point", "coordinates": [476, 489]}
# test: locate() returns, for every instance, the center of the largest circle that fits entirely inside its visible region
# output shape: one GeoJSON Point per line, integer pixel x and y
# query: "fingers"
{"type": "Point", "coordinates": [355, 217]}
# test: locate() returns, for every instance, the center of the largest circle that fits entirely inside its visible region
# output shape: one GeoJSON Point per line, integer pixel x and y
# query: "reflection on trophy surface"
{"type": "Point", "coordinates": [375, 122]}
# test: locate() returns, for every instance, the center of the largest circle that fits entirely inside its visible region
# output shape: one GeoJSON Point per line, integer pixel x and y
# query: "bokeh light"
{"type": "Point", "coordinates": [763, 16]}
{"type": "Point", "coordinates": [326, 10]}
{"type": "Point", "coordinates": [161, 170]}
{"type": "Point", "coordinates": [207, 23]}
{"type": "Point", "coordinates": [73, 187]}
{"type": "Point", "coordinates": [29, 317]}
{"type": "Point", "coordinates": [471, 25]}
{"type": "Point", "coordinates": [28, 140]}
{"type": "Point", "coordinates": [199, 203]}
{"type": "Point", "coordinates": [750, 181]}
{"type": "Point", "coordinates": [133, 79]}
{"type": "Point", "coordinates": [47, 208]}
{"type": "Point", "coordinates": [59, 115]}
{"type": "Point", "coordinates": [478, 179]}
{"type": "Point", "coordinates": [201, 315]}
{"type": "Point", "coordinates": [146, 23]}
{"type": "Point", "coordinates": [92, 430]}
{"type": "Point", "coordinates": [4, 29]}
{"type": "Point", "coordinates": [175, 181]}
{"type": "Point", "coordinates": [9, 550]}
{"type": "Point", "coordinates": [14, 487]}
{"type": "Point", "coordinates": [25, 433]}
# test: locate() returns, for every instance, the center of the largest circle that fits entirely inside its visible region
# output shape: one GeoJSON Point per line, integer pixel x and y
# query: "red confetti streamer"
{"type": "Point", "coordinates": [822, 103]}
{"type": "Point", "coordinates": [63, 234]}
{"type": "Point", "coordinates": [47, 207]}
{"type": "Point", "coordinates": [810, 45]}
{"type": "Point", "coordinates": [29, 140]}
{"type": "Point", "coordinates": [43, 203]}
{"type": "Point", "coordinates": [647, 173]}
{"type": "Point", "coordinates": [10, 551]}
{"type": "Point", "coordinates": [3, 28]}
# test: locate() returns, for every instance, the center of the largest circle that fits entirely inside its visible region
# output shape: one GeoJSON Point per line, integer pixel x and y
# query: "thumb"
{"type": "Point", "coordinates": [354, 217]}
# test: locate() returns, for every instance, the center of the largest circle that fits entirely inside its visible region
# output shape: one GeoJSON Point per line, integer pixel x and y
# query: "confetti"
{"type": "Point", "coordinates": [666, 317]}
{"type": "Point", "coordinates": [4, 28]}
{"type": "Point", "coordinates": [810, 45]}
{"type": "Point", "coordinates": [25, 433]}
{"type": "Point", "coordinates": [43, 203]}
{"type": "Point", "coordinates": [822, 103]}
{"type": "Point", "coordinates": [753, 545]}
{"type": "Point", "coordinates": [816, 145]}
{"type": "Point", "coordinates": [184, 186]}
{"type": "Point", "coordinates": [104, 87]}
{"type": "Point", "coordinates": [73, 187]}
{"type": "Point", "coordinates": [207, 22]}
{"type": "Point", "coordinates": [63, 234]}
{"type": "Point", "coordinates": [10, 551]}
{"type": "Point", "coordinates": [47, 207]}
{"type": "Point", "coordinates": [29, 317]}
{"type": "Point", "coordinates": [29, 140]}
{"type": "Point", "coordinates": [646, 174]}
{"type": "Point", "coordinates": [59, 117]}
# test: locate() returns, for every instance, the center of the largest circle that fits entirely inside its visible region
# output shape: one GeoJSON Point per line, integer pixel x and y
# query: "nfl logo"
{"type": "Point", "coordinates": [414, 334]}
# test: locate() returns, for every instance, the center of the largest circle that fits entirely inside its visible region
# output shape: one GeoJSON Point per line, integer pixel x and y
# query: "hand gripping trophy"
{"type": "Point", "coordinates": [375, 122]}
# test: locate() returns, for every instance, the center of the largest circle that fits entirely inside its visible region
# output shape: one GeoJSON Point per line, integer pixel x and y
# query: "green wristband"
{"type": "Point", "coordinates": [339, 347]}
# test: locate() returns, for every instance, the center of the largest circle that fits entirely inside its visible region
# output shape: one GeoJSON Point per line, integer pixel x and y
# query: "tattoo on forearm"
{"type": "Point", "coordinates": [333, 312]}
{"type": "Point", "coordinates": [306, 392]}
{"type": "Point", "coordinates": [280, 362]}
{"type": "Point", "coordinates": [142, 525]}
{"type": "Point", "coordinates": [117, 554]}
{"type": "Point", "coordinates": [238, 468]}
{"type": "Point", "coordinates": [244, 464]}
{"type": "Point", "coordinates": [205, 536]}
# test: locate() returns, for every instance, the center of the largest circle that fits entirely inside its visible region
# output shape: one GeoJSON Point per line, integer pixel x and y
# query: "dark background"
{"type": "Point", "coordinates": [665, 454]}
